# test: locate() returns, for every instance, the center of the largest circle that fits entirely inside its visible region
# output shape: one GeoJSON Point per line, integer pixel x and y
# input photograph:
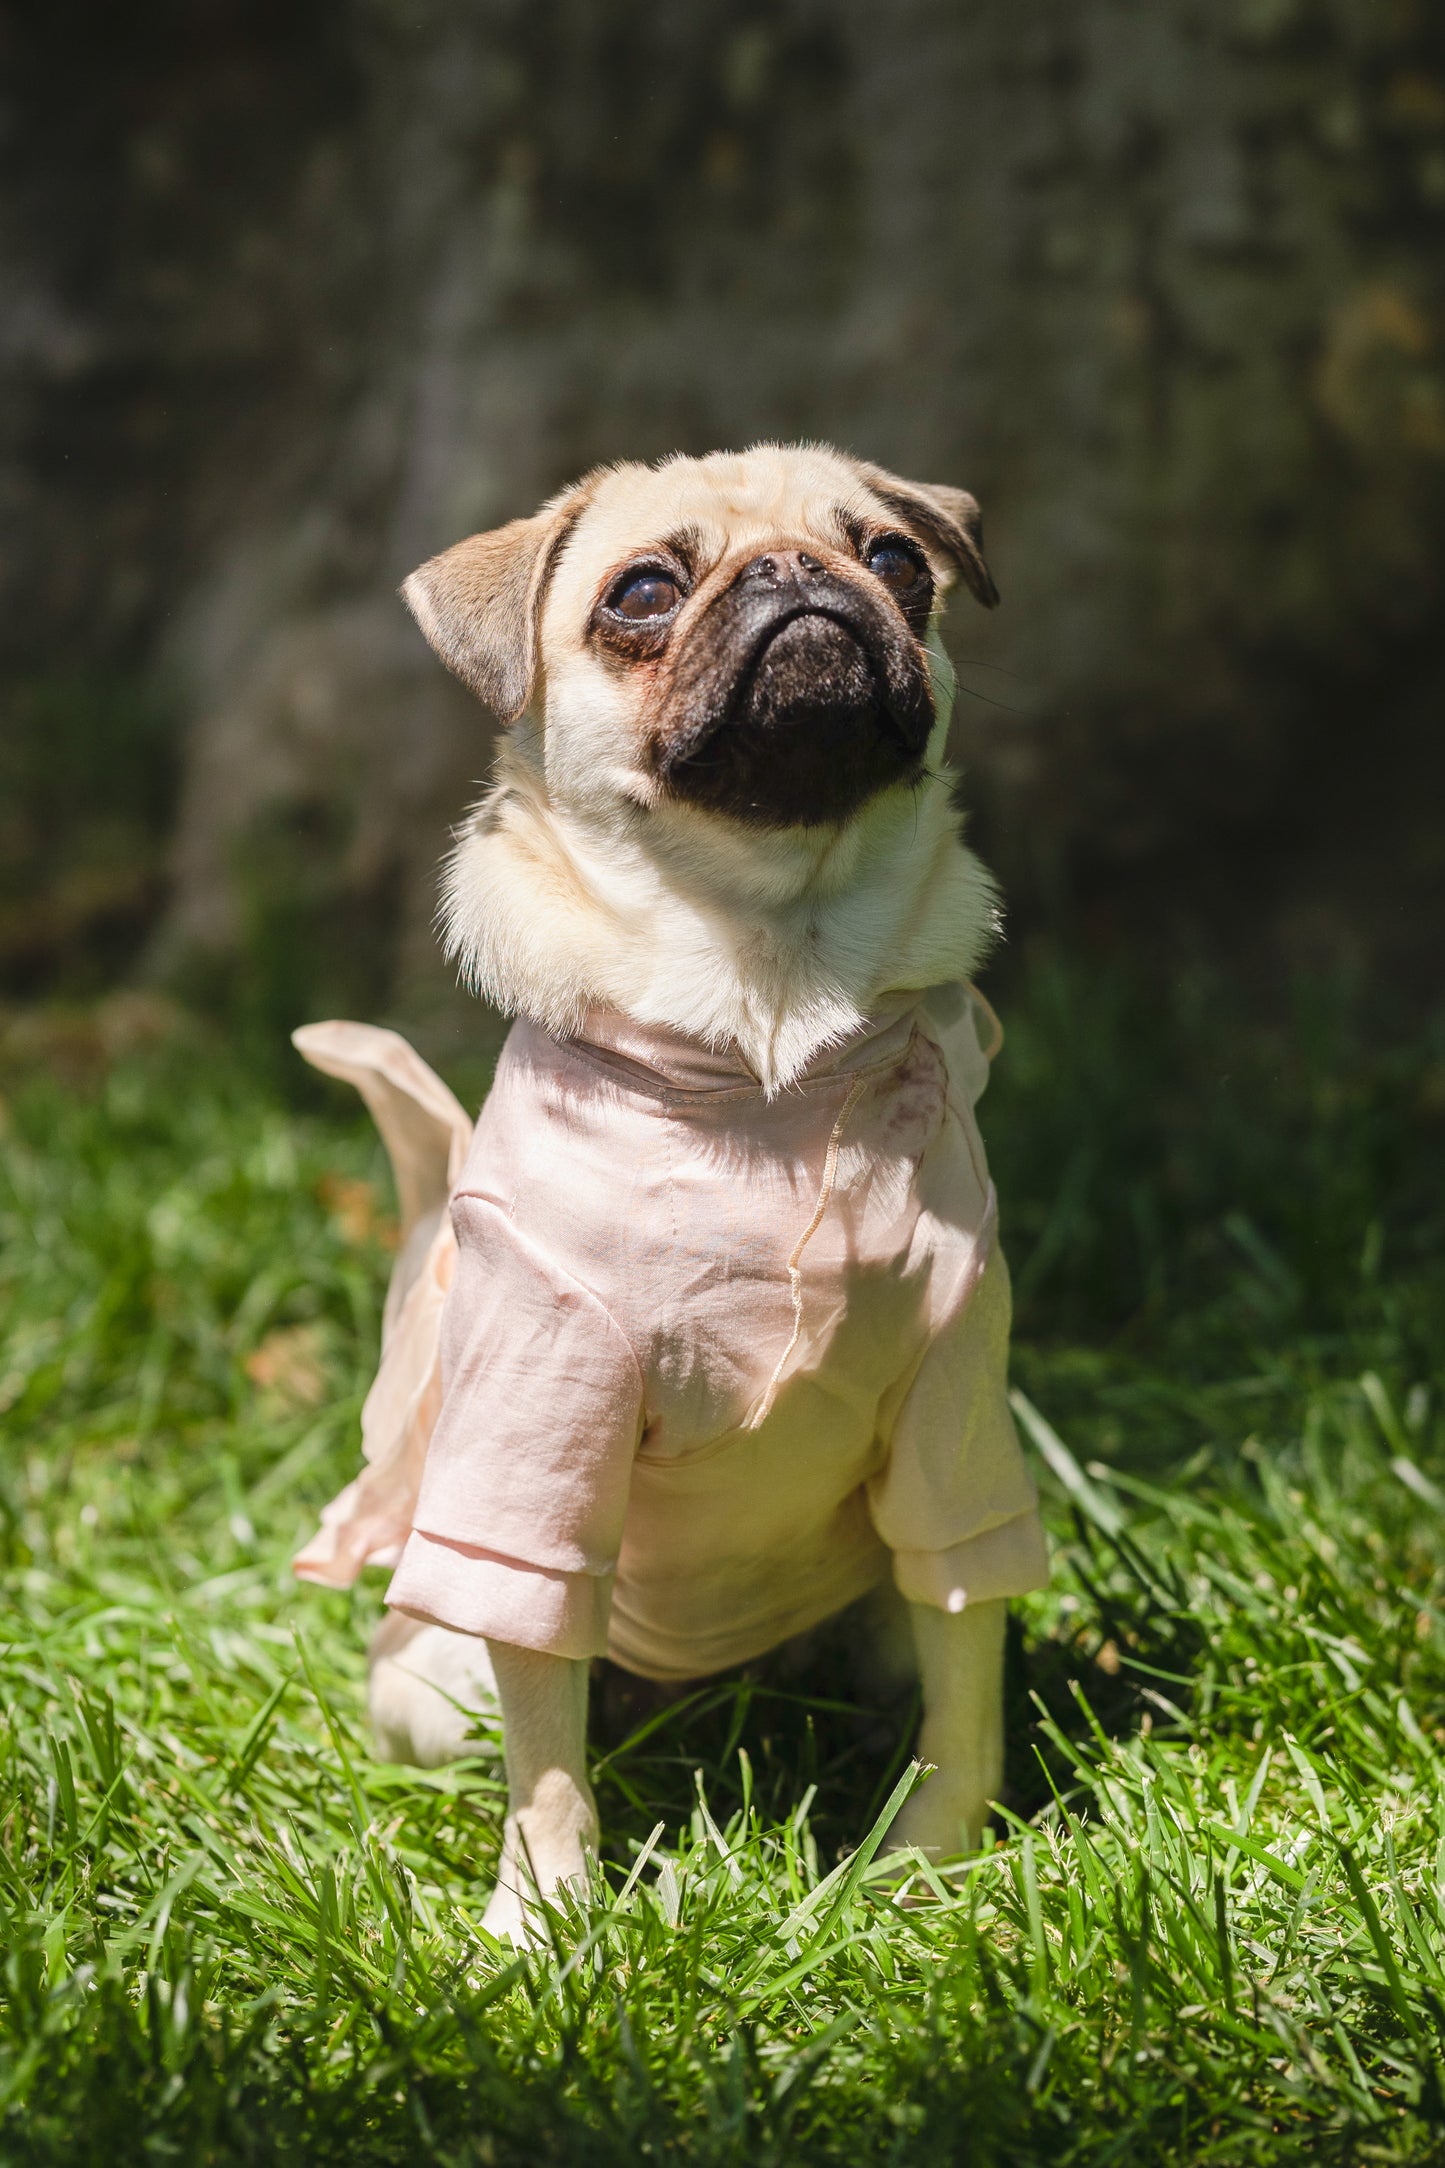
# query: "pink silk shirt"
{"type": "Point", "coordinates": [692, 1368]}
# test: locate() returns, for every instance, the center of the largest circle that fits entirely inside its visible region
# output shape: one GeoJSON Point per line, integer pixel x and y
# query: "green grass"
{"type": "Point", "coordinates": [1215, 1930]}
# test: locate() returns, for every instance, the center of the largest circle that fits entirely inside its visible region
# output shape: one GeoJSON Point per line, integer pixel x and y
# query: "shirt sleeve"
{"type": "Point", "coordinates": [954, 1501]}
{"type": "Point", "coordinates": [519, 1518]}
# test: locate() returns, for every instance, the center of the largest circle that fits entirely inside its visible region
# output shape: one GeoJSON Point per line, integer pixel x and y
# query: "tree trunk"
{"type": "Point", "coordinates": [307, 295]}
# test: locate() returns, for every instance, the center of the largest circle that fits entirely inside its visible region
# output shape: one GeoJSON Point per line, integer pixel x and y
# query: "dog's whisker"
{"type": "Point", "coordinates": [976, 662]}
{"type": "Point", "coordinates": [988, 699]}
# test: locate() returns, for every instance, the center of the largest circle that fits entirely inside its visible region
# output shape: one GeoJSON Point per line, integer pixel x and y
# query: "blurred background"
{"type": "Point", "coordinates": [297, 294]}
{"type": "Point", "coordinates": [294, 293]}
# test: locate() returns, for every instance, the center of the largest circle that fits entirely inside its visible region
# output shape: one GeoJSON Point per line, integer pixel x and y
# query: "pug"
{"type": "Point", "coordinates": [701, 1335]}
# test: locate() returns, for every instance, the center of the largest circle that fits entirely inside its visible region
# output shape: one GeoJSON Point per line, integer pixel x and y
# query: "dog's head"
{"type": "Point", "coordinates": [742, 634]}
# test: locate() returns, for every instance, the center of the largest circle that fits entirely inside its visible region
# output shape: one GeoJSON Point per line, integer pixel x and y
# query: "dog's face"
{"type": "Point", "coordinates": [743, 634]}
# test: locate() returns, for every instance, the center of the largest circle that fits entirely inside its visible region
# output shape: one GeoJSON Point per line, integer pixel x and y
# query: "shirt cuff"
{"type": "Point", "coordinates": [1008, 1560]}
{"type": "Point", "coordinates": [479, 1592]}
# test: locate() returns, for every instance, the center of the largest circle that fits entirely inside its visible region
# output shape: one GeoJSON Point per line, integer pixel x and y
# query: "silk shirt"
{"type": "Point", "coordinates": [692, 1367]}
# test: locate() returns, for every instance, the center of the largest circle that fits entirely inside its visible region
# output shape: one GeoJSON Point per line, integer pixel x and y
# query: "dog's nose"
{"type": "Point", "coordinates": [781, 568]}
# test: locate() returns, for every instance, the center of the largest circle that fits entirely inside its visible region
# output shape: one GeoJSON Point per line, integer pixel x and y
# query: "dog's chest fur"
{"type": "Point", "coordinates": [553, 914]}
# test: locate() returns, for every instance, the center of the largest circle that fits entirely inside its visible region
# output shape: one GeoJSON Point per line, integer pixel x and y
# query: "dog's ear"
{"type": "Point", "coordinates": [479, 602]}
{"type": "Point", "coordinates": [948, 518]}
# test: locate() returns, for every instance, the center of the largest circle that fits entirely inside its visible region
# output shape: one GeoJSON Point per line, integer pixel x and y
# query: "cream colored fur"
{"type": "Point", "coordinates": [576, 884]}
{"type": "Point", "coordinates": [779, 941]}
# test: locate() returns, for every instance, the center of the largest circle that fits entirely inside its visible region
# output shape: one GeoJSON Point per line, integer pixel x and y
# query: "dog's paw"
{"type": "Point", "coordinates": [508, 1920]}
{"type": "Point", "coordinates": [547, 1851]}
{"type": "Point", "coordinates": [517, 1915]}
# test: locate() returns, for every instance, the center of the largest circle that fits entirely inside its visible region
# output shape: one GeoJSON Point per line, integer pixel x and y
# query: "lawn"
{"type": "Point", "coordinates": [1214, 1926]}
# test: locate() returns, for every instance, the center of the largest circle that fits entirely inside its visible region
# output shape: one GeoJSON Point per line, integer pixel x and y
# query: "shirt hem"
{"type": "Point", "coordinates": [502, 1599]}
{"type": "Point", "coordinates": [668, 1658]}
{"type": "Point", "coordinates": [1011, 1559]}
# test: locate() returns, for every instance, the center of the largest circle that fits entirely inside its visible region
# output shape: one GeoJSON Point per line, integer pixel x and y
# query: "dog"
{"type": "Point", "coordinates": [701, 1336]}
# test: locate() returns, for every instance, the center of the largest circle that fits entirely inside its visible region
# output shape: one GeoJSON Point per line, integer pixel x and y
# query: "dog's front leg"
{"type": "Point", "coordinates": [551, 1817]}
{"type": "Point", "coordinates": [960, 1667]}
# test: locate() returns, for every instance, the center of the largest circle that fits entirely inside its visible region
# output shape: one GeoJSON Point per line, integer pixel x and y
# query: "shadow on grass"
{"type": "Point", "coordinates": [763, 1734]}
{"type": "Point", "coordinates": [1123, 1666]}
{"type": "Point", "coordinates": [758, 1735]}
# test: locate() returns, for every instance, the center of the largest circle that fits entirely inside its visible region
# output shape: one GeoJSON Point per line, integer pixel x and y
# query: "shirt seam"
{"type": "Point", "coordinates": [475, 1197]}
{"type": "Point", "coordinates": [988, 1527]}
{"type": "Point", "coordinates": [636, 1076]}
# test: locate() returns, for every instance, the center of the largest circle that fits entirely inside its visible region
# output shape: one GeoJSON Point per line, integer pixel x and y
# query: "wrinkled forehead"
{"type": "Point", "coordinates": [727, 502]}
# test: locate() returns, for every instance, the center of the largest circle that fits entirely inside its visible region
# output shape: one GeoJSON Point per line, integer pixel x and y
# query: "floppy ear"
{"type": "Point", "coordinates": [478, 603]}
{"type": "Point", "coordinates": [948, 518]}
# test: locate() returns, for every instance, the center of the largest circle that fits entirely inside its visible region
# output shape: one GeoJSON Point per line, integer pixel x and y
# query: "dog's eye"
{"type": "Point", "coordinates": [644, 594]}
{"type": "Point", "coordinates": [900, 568]}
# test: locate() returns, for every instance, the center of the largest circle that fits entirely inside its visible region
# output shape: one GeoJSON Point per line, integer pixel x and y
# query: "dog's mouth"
{"type": "Point", "coordinates": [798, 711]}
{"type": "Point", "coordinates": [810, 664]}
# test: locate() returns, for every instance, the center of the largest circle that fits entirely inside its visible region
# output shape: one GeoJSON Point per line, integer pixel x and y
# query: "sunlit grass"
{"type": "Point", "coordinates": [1215, 1930]}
